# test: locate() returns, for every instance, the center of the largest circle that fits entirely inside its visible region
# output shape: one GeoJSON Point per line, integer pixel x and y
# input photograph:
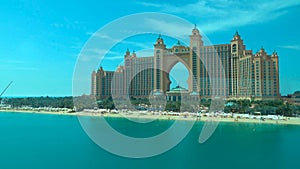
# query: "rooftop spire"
{"type": "Point", "coordinates": [274, 53]}
{"type": "Point", "coordinates": [262, 50]}
{"type": "Point", "coordinates": [133, 53]}
{"type": "Point", "coordinates": [160, 41]}
{"type": "Point", "coordinates": [236, 36]}
{"type": "Point", "coordinates": [195, 31]}
{"type": "Point", "coordinates": [159, 36]}
{"type": "Point", "coordinates": [236, 33]}
{"type": "Point", "coordinates": [127, 53]}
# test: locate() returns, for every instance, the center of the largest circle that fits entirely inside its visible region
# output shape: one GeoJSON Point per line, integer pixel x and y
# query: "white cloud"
{"type": "Point", "coordinates": [169, 28]}
{"type": "Point", "coordinates": [113, 58]}
{"type": "Point", "coordinates": [119, 41]}
{"type": "Point", "coordinates": [102, 36]}
{"type": "Point", "coordinates": [100, 51]}
{"type": "Point", "coordinates": [145, 53]}
{"type": "Point", "coordinates": [96, 53]}
{"type": "Point", "coordinates": [216, 15]}
{"type": "Point", "coordinates": [15, 65]}
{"type": "Point", "coordinates": [149, 4]}
{"type": "Point", "coordinates": [69, 24]}
{"type": "Point", "coordinates": [132, 44]}
{"type": "Point", "coordinates": [17, 68]}
{"type": "Point", "coordinates": [12, 61]}
{"type": "Point", "coordinates": [294, 47]}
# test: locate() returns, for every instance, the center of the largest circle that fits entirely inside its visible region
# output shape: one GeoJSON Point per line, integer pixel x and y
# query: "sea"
{"type": "Point", "coordinates": [41, 141]}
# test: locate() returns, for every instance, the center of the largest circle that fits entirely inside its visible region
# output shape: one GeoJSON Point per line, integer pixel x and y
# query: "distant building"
{"type": "Point", "coordinates": [226, 70]}
{"type": "Point", "coordinates": [265, 76]}
{"type": "Point", "coordinates": [101, 83]}
{"type": "Point", "coordinates": [293, 98]}
{"type": "Point", "coordinates": [177, 94]}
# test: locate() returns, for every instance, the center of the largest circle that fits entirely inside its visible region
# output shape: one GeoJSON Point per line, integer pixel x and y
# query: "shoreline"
{"type": "Point", "coordinates": [151, 117]}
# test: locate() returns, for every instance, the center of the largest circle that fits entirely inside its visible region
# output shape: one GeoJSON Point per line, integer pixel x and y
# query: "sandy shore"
{"type": "Point", "coordinates": [288, 121]}
{"type": "Point", "coordinates": [39, 112]}
{"type": "Point", "coordinates": [151, 117]}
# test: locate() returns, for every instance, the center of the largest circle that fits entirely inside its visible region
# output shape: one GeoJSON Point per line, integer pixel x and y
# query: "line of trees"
{"type": "Point", "coordinates": [57, 102]}
{"type": "Point", "coordinates": [278, 107]}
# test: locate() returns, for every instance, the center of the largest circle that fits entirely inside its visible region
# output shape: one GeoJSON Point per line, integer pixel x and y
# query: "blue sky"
{"type": "Point", "coordinates": [41, 40]}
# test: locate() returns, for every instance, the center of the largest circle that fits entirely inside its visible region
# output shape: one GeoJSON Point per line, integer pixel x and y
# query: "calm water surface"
{"type": "Point", "coordinates": [36, 141]}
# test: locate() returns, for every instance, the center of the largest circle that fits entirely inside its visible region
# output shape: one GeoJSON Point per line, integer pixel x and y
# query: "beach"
{"type": "Point", "coordinates": [162, 116]}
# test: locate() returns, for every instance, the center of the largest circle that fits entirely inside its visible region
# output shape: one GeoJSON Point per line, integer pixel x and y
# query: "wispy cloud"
{"type": "Point", "coordinates": [149, 4]}
{"type": "Point", "coordinates": [103, 36]}
{"type": "Point", "coordinates": [6, 61]}
{"type": "Point", "coordinates": [294, 47]}
{"type": "Point", "coordinates": [100, 51]}
{"type": "Point", "coordinates": [173, 28]}
{"type": "Point", "coordinates": [119, 41]}
{"type": "Point", "coordinates": [114, 58]}
{"type": "Point", "coordinates": [69, 24]}
{"type": "Point", "coordinates": [215, 15]}
{"type": "Point", "coordinates": [140, 53]}
{"type": "Point", "coordinates": [133, 44]}
{"type": "Point", "coordinates": [16, 68]}
{"type": "Point", "coordinates": [96, 53]}
{"type": "Point", "coordinates": [145, 53]}
{"type": "Point", "coordinates": [15, 65]}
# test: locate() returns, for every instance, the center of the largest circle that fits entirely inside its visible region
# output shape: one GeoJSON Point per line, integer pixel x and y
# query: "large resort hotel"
{"type": "Point", "coordinates": [226, 70]}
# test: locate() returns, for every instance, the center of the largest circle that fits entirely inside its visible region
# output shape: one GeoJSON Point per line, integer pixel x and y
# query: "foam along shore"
{"type": "Point", "coordinates": [163, 115]}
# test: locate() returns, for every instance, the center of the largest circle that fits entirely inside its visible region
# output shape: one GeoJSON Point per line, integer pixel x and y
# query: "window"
{"type": "Point", "coordinates": [234, 48]}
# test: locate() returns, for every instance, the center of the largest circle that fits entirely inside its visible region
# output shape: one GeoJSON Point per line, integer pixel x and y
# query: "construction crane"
{"type": "Point", "coordinates": [5, 89]}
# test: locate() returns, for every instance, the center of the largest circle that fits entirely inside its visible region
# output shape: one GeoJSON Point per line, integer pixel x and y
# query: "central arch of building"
{"type": "Point", "coordinates": [166, 58]}
{"type": "Point", "coordinates": [169, 62]}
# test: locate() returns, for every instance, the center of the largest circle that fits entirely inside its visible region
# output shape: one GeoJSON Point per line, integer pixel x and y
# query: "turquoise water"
{"type": "Point", "coordinates": [51, 141]}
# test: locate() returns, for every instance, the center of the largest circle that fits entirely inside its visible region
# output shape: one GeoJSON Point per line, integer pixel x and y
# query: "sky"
{"type": "Point", "coordinates": [41, 41]}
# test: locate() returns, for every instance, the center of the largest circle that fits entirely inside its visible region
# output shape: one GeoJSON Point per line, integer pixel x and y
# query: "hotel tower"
{"type": "Point", "coordinates": [225, 70]}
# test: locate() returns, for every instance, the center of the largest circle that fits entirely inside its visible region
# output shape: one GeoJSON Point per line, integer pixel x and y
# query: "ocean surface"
{"type": "Point", "coordinates": [35, 141]}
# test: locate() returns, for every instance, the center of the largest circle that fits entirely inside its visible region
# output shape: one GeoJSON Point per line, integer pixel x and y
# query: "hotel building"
{"type": "Point", "coordinates": [225, 70]}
